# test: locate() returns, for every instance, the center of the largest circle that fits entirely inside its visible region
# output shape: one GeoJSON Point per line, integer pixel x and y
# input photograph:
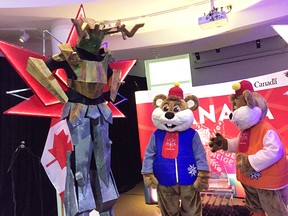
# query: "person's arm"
{"type": "Point", "coordinates": [53, 65]}
{"type": "Point", "coordinates": [147, 166]}
{"type": "Point", "coordinates": [232, 145]}
{"type": "Point", "coordinates": [199, 153]}
{"type": "Point", "coordinates": [202, 180]}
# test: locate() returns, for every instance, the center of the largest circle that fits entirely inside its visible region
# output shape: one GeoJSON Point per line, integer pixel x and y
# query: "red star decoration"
{"type": "Point", "coordinates": [43, 103]}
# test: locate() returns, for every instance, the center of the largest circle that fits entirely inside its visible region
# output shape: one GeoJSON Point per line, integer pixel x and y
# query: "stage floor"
{"type": "Point", "coordinates": [133, 203]}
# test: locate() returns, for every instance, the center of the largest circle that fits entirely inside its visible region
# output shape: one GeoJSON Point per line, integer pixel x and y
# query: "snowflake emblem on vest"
{"type": "Point", "coordinates": [192, 170]}
{"type": "Point", "coordinates": [255, 175]}
{"type": "Point", "coordinates": [171, 143]}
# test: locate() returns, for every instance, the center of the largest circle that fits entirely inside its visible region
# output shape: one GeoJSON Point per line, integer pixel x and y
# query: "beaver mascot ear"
{"type": "Point", "coordinates": [158, 99]}
{"type": "Point", "coordinates": [192, 102]}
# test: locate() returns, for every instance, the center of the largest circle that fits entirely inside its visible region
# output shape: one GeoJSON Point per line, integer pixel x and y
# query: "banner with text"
{"type": "Point", "coordinates": [213, 116]}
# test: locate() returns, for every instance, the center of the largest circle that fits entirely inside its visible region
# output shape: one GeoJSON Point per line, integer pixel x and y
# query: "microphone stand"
{"type": "Point", "coordinates": [13, 159]}
{"type": "Point", "coordinates": [15, 154]}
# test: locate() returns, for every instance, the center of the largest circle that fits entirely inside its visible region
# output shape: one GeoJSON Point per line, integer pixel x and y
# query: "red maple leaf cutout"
{"type": "Point", "coordinates": [60, 147]}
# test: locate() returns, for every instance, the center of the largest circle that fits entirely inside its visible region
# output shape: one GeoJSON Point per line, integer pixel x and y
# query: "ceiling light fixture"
{"type": "Point", "coordinates": [197, 55]}
{"type": "Point", "coordinates": [258, 44]}
{"type": "Point", "coordinates": [24, 37]}
{"type": "Point", "coordinates": [215, 18]}
{"type": "Point", "coordinates": [159, 13]}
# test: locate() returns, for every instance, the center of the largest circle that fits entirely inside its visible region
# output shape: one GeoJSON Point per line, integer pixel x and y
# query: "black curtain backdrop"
{"type": "Point", "coordinates": [25, 189]}
{"type": "Point", "coordinates": [126, 159]}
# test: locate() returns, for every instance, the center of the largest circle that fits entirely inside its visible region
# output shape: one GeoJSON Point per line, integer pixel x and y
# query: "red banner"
{"type": "Point", "coordinates": [213, 116]}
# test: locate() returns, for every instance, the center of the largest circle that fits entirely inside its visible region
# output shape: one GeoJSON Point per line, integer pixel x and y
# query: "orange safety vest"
{"type": "Point", "coordinates": [273, 177]}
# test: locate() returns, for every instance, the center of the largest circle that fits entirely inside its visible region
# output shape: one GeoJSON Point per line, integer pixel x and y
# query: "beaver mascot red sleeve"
{"type": "Point", "coordinates": [175, 160]}
{"type": "Point", "coordinates": [261, 165]}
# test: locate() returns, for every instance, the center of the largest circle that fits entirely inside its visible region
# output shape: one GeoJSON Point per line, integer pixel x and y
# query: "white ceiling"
{"type": "Point", "coordinates": [168, 23]}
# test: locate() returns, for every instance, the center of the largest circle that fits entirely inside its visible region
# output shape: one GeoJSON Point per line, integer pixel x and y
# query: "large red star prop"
{"type": "Point", "coordinates": [43, 103]}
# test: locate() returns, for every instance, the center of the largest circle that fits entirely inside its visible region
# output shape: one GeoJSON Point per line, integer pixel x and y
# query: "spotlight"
{"type": "Point", "coordinates": [217, 50]}
{"type": "Point", "coordinates": [197, 55]}
{"type": "Point", "coordinates": [258, 44]}
{"type": "Point", "coordinates": [24, 37]}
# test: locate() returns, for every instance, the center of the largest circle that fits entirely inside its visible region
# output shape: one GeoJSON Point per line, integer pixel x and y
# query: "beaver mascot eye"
{"type": "Point", "coordinates": [165, 108]}
{"type": "Point", "coordinates": [176, 108]}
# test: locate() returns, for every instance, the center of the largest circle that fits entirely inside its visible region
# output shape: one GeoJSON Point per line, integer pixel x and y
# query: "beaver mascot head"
{"type": "Point", "coordinates": [249, 107]}
{"type": "Point", "coordinates": [174, 112]}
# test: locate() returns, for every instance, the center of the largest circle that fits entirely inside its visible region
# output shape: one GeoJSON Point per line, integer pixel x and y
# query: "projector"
{"type": "Point", "coordinates": [213, 20]}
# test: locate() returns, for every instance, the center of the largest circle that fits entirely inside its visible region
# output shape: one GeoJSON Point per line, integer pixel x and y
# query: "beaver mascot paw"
{"type": "Point", "coordinates": [218, 143]}
{"type": "Point", "coordinates": [243, 165]}
{"type": "Point", "coordinates": [202, 181]}
{"type": "Point", "coordinates": [150, 180]}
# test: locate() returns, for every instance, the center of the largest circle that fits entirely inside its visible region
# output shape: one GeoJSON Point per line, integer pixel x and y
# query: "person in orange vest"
{"type": "Point", "coordinates": [261, 162]}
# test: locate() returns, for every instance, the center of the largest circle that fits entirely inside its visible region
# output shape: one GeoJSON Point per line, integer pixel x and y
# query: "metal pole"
{"type": "Point", "coordinates": [44, 43]}
{"type": "Point", "coordinates": [212, 5]}
{"type": "Point", "coordinates": [44, 40]}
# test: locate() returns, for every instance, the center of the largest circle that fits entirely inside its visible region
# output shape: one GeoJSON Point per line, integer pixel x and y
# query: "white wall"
{"type": "Point", "coordinates": [231, 63]}
{"type": "Point", "coordinates": [240, 62]}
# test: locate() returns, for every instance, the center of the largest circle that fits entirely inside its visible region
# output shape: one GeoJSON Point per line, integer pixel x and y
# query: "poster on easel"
{"type": "Point", "coordinates": [212, 116]}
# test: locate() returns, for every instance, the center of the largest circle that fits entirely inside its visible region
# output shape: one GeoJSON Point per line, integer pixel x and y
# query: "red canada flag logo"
{"type": "Point", "coordinates": [60, 146]}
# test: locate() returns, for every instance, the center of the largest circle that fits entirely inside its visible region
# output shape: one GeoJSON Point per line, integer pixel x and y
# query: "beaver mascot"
{"type": "Point", "coordinates": [261, 163]}
{"type": "Point", "coordinates": [175, 160]}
